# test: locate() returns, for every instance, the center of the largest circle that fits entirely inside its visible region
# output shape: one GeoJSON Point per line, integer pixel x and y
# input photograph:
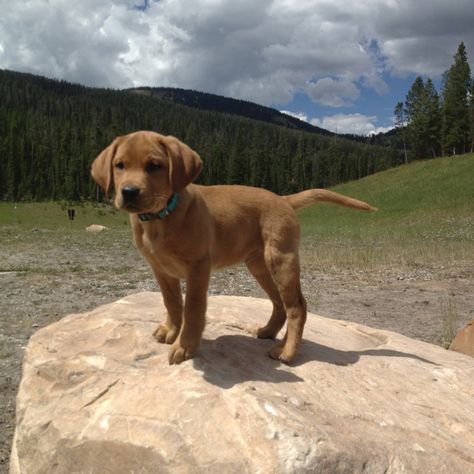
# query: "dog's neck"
{"type": "Point", "coordinates": [150, 216]}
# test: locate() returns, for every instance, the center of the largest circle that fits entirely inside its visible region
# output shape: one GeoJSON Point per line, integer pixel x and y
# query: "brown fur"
{"type": "Point", "coordinates": [212, 227]}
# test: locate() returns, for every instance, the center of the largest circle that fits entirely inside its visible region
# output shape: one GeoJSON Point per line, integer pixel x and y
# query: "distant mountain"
{"type": "Point", "coordinates": [227, 105]}
{"type": "Point", "coordinates": [243, 108]}
{"type": "Point", "coordinates": [50, 131]}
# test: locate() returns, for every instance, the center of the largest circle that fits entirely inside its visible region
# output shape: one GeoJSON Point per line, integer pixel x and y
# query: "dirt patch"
{"type": "Point", "coordinates": [49, 275]}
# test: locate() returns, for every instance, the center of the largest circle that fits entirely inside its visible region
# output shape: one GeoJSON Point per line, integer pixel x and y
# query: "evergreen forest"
{"type": "Point", "coordinates": [430, 124]}
{"type": "Point", "coordinates": [50, 132]}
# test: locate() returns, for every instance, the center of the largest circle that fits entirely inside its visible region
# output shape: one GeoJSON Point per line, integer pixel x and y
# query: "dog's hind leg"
{"type": "Point", "coordinates": [259, 270]}
{"type": "Point", "coordinates": [285, 270]}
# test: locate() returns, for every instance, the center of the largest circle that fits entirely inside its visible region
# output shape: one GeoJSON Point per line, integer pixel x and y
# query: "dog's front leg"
{"type": "Point", "coordinates": [171, 290]}
{"type": "Point", "coordinates": [194, 316]}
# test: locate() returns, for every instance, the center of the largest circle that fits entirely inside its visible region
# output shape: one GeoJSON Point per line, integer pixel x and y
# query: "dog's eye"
{"type": "Point", "coordinates": [152, 166]}
{"type": "Point", "coordinates": [120, 166]}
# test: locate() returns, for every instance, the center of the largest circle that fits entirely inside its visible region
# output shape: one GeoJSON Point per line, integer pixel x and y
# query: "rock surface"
{"type": "Point", "coordinates": [98, 396]}
{"type": "Point", "coordinates": [464, 340]}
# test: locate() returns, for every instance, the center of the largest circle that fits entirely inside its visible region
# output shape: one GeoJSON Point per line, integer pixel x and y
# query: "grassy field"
{"type": "Point", "coordinates": [46, 225]}
{"type": "Point", "coordinates": [53, 216]}
{"type": "Point", "coordinates": [426, 216]}
{"type": "Point", "coordinates": [425, 219]}
{"type": "Point", "coordinates": [426, 201]}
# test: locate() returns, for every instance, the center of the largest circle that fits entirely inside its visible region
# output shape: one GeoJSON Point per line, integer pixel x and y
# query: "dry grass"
{"type": "Point", "coordinates": [366, 254]}
{"type": "Point", "coordinates": [450, 320]}
{"type": "Point", "coordinates": [425, 217]}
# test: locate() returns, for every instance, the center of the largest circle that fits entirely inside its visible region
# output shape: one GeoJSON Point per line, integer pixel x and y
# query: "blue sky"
{"type": "Point", "coordinates": [372, 112]}
{"type": "Point", "coordinates": [340, 64]}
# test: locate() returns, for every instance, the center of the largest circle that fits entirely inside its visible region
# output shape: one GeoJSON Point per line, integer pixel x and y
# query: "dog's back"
{"type": "Point", "coordinates": [244, 218]}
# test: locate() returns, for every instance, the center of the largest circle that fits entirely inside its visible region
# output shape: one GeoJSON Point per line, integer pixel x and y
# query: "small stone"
{"type": "Point", "coordinates": [95, 228]}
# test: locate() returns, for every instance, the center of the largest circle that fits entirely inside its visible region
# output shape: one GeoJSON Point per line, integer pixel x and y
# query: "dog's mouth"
{"type": "Point", "coordinates": [141, 205]}
{"type": "Point", "coordinates": [131, 208]}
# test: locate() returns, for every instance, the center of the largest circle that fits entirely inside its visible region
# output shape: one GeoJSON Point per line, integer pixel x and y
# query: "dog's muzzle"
{"type": "Point", "coordinates": [129, 194]}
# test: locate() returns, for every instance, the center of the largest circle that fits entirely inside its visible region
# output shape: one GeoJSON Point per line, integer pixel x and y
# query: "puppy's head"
{"type": "Point", "coordinates": [145, 168]}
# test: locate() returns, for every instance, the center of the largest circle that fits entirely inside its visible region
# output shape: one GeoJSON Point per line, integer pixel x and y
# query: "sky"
{"type": "Point", "coordinates": [339, 64]}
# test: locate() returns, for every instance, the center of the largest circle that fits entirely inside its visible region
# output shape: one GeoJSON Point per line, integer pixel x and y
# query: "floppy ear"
{"type": "Point", "coordinates": [101, 169]}
{"type": "Point", "coordinates": [185, 164]}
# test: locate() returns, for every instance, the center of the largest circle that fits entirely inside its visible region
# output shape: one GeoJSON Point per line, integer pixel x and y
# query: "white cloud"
{"type": "Point", "coordinates": [331, 92]}
{"type": "Point", "coordinates": [264, 50]}
{"type": "Point", "coordinates": [420, 37]}
{"type": "Point", "coordinates": [356, 124]}
{"type": "Point", "coordinates": [299, 115]}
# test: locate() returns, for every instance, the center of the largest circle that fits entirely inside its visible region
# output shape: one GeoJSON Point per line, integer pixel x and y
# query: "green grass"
{"type": "Point", "coordinates": [52, 216]}
{"type": "Point", "coordinates": [426, 215]}
{"type": "Point", "coordinates": [25, 227]}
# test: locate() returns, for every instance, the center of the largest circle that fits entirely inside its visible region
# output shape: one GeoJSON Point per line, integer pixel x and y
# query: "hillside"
{"type": "Point", "coordinates": [242, 108]}
{"type": "Point", "coordinates": [50, 131]}
{"type": "Point", "coordinates": [227, 105]}
{"type": "Point", "coordinates": [433, 199]}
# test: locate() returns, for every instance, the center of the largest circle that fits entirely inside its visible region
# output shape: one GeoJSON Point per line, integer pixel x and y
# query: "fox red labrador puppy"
{"type": "Point", "coordinates": [185, 231]}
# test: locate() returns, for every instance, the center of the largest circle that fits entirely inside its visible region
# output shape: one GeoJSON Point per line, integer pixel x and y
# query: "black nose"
{"type": "Point", "coordinates": [129, 193]}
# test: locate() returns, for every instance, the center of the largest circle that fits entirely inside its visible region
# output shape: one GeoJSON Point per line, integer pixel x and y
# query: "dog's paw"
{"type": "Point", "coordinates": [266, 332]}
{"type": "Point", "coordinates": [278, 352]}
{"type": "Point", "coordinates": [179, 353]}
{"type": "Point", "coordinates": [166, 334]}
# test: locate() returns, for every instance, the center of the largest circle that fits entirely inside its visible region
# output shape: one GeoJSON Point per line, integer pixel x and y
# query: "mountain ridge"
{"type": "Point", "coordinates": [229, 105]}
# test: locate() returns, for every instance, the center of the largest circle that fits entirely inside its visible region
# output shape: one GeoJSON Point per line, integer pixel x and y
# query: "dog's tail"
{"type": "Point", "coordinates": [312, 196]}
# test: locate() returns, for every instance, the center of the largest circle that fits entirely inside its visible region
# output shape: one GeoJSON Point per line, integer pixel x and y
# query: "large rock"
{"type": "Point", "coordinates": [464, 340]}
{"type": "Point", "coordinates": [98, 396]}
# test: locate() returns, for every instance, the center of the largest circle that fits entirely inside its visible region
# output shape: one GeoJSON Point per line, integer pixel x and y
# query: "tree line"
{"type": "Point", "coordinates": [227, 105]}
{"type": "Point", "coordinates": [433, 124]}
{"type": "Point", "coordinates": [50, 132]}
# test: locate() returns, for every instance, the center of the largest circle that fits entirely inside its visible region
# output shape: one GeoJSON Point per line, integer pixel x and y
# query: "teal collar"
{"type": "Point", "coordinates": [149, 216]}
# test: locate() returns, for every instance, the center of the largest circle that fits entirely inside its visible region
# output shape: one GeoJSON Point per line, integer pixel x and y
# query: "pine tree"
{"type": "Point", "coordinates": [298, 172]}
{"type": "Point", "coordinates": [400, 125]}
{"type": "Point", "coordinates": [471, 116]}
{"type": "Point", "coordinates": [423, 115]}
{"type": "Point", "coordinates": [456, 90]}
{"type": "Point", "coordinates": [433, 114]}
{"type": "Point", "coordinates": [416, 117]}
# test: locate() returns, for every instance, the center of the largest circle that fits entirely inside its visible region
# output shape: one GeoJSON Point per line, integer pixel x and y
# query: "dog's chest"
{"type": "Point", "coordinates": [163, 256]}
